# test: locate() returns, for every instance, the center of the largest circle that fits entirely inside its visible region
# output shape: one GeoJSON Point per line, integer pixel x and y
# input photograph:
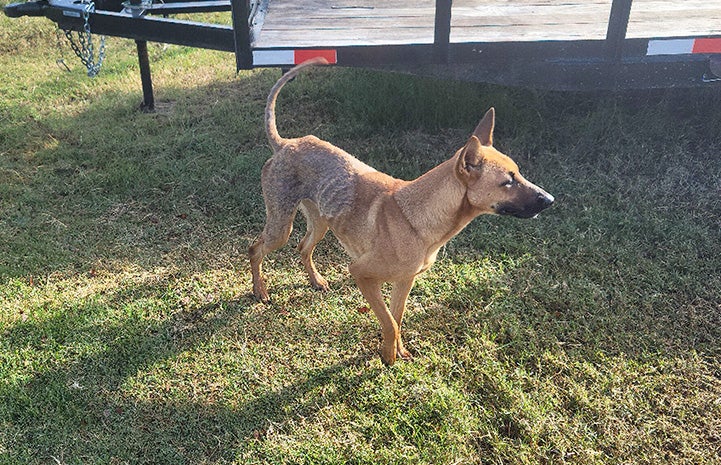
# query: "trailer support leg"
{"type": "Point", "coordinates": [147, 82]}
{"type": "Point", "coordinates": [241, 34]}
{"type": "Point", "coordinates": [617, 26]}
{"type": "Point", "coordinates": [442, 31]}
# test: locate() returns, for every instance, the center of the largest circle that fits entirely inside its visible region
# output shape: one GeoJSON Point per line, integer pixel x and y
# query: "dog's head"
{"type": "Point", "coordinates": [494, 184]}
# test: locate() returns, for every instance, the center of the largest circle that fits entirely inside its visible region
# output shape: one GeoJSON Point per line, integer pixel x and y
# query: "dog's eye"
{"type": "Point", "coordinates": [510, 182]}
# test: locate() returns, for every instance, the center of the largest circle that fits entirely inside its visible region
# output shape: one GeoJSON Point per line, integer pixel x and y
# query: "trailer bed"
{"type": "Point", "coordinates": [339, 23]}
{"type": "Point", "coordinates": [550, 44]}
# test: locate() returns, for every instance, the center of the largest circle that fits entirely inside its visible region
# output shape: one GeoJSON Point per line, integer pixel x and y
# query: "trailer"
{"type": "Point", "coordinates": [558, 45]}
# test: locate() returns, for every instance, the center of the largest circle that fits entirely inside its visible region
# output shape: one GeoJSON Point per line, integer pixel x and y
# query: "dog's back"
{"type": "Point", "coordinates": [312, 169]}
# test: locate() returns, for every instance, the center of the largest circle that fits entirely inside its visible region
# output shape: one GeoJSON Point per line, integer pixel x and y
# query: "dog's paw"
{"type": "Point", "coordinates": [403, 354]}
{"type": "Point", "coordinates": [264, 299]}
{"type": "Point", "coordinates": [261, 293]}
{"type": "Point", "coordinates": [319, 283]}
{"type": "Point", "coordinates": [388, 357]}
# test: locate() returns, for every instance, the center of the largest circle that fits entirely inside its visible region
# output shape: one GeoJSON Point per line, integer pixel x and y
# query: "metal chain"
{"type": "Point", "coordinates": [254, 4]}
{"type": "Point", "coordinates": [85, 50]}
{"type": "Point", "coordinates": [60, 61]}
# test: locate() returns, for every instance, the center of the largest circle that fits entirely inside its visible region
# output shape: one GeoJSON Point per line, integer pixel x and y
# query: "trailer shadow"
{"type": "Point", "coordinates": [82, 406]}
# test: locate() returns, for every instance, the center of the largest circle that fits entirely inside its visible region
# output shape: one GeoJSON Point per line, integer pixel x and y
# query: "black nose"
{"type": "Point", "coordinates": [545, 200]}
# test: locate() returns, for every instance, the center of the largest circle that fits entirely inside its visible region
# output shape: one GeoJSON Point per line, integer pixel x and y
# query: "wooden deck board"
{"type": "Point", "coordinates": [333, 23]}
{"type": "Point", "coordinates": [674, 18]}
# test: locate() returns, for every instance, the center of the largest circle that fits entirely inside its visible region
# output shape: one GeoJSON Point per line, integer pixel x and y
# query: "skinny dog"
{"type": "Point", "coordinates": [392, 229]}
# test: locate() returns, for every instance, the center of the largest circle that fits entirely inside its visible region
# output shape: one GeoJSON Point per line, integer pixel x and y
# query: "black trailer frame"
{"type": "Point", "coordinates": [616, 62]}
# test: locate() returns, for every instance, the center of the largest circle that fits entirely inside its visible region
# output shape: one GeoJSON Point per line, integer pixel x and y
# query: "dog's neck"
{"type": "Point", "coordinates": [435, 204]}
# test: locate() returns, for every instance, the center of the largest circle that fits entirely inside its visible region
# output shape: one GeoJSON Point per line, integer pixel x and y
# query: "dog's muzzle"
{"type": "Point", "coordinates": [541, 201]}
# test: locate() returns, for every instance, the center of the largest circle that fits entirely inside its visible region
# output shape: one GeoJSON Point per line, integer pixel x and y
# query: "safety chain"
{"type": "Point", "coordinates": [85, 50]}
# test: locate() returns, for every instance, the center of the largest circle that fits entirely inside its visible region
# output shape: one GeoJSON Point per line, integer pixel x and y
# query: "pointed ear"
{"type": "Point", "coordinates": [484, 130]}
{"type": "Point", "coordinates": [470, 158]}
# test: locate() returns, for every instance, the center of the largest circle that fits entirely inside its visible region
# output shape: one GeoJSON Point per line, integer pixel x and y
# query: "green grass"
{"type": "Point", "coordinates": [127, 333]}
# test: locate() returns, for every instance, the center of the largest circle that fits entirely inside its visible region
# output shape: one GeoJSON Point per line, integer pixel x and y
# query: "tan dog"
{"type": "Point", "coordinates": [392, 229]}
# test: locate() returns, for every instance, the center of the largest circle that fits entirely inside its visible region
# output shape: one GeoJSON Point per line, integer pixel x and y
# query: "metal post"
{"type": "Point", "coordinates": [617, 26]}
{"type": "Point", "coordinates": [442, 31]}
{"type": "Point", "coordinates": [144, 62]}
{"type": "Point", "coordinates": [241, 34]}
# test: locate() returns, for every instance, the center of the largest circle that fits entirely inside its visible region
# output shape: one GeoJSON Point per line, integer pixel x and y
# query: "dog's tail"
{"type": "Point", "coordinates": [271, 130]}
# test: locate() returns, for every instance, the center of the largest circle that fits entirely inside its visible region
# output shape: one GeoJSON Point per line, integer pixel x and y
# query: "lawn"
{"type": "Point", "coordinates": [590, 335]}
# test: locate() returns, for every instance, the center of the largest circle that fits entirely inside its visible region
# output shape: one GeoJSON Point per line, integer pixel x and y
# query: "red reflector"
{"type": "Point", "coordinates": [707, 46]}
{"type": "Point", "coordinates": [304, 55]}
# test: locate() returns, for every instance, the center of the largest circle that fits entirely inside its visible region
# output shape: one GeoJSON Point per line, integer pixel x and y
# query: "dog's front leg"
{"type": "Point", "coordinates": [399, 297]}
{"type": "Point", "coordinates": [371, 290]}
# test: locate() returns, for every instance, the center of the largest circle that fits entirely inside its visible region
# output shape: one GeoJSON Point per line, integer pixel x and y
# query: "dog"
{"type": "Point", "coordinates": [392, 229]}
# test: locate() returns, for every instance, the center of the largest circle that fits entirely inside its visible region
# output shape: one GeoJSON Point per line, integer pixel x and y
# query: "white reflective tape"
{"type": "Point", "coordinates": [273, 57]}
{"type": "Point", "coordinates": [670, 47]}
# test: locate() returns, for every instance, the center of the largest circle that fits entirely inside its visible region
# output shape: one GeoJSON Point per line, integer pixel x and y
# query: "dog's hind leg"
{"type": "Point", "coordinates": [317, 227]}
{"type": "Point", "coordinates": [276, 232]}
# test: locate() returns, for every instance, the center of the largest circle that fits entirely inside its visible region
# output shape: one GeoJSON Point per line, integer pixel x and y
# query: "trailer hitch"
{"type": "Point", "coordinates": [84, 48]}
{"type": "Point", "coordinates": [17, 10]}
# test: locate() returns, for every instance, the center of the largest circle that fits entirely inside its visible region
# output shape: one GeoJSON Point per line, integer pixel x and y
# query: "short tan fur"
{"type": "Point", "coordinates": [392, 229]}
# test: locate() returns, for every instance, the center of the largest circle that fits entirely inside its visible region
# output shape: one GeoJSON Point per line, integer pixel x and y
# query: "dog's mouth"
{"type": "Point", "coordinates": [531, 210]}
{"type": "Point", "coordinates": [518, 213]}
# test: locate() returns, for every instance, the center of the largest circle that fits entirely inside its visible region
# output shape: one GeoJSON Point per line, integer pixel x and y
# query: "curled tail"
{"type": "Point", "coordinates": [271, 130]}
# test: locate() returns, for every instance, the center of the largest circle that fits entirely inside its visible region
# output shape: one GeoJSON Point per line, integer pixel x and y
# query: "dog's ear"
{"type": "Point", "coordinates": [484, 130]}
{"type": "Point", "coordinates": [470, 158]}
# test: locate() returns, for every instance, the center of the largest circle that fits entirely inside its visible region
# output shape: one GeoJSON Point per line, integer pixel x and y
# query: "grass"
{"type": "Point", "coordinates": [128, 335]}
